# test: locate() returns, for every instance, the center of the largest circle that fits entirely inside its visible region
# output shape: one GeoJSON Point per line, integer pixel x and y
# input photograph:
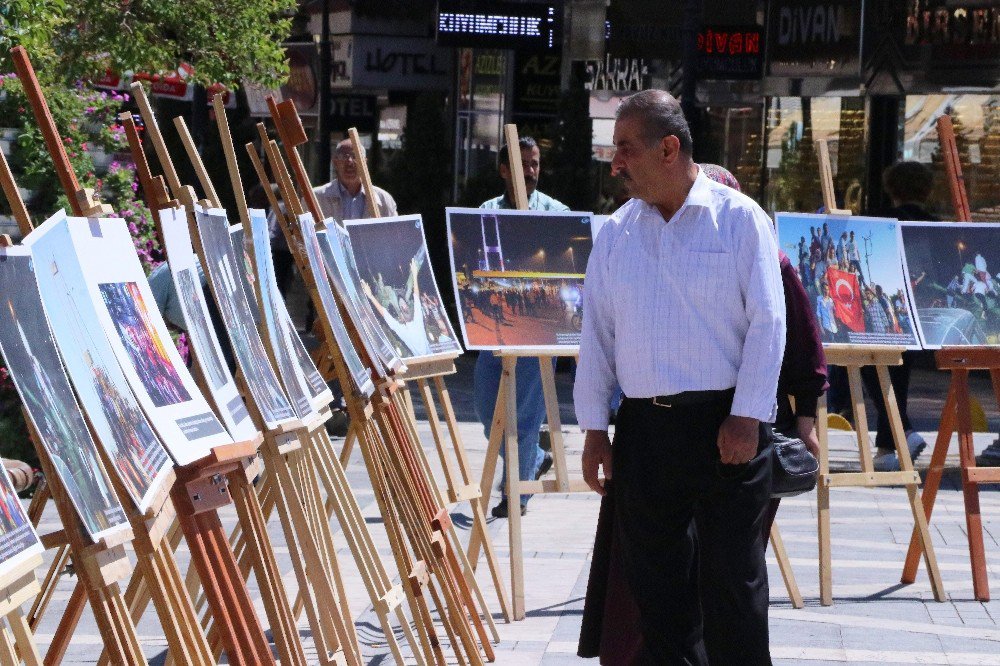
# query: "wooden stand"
{"type": "Point", "coordinates": [406, 494]}
{"type": "Point", "coordinates": [316, 568]}
{"type": "Point", "coordinates": [957, 413]}
{"type": "Point", "coordinates": [853, 358]}
{"type": "Point", "coordinates": [17, 587]}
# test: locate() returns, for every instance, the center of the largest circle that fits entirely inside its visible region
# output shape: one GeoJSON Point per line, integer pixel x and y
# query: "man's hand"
{"type": "Point", "coordinates": [596, 453]}
{"type": "Point", "coordinates": [806, 427]}
{"type": "Point", "coordinates": [739, 437]}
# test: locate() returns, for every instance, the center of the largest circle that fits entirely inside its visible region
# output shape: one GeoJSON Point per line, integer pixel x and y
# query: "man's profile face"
{"type": "Point", "coordinates": [344, 164]}
{"type": "Point", "coordinates": [531, 163]}
{"type": "Point", "coordinates": [635, 160]}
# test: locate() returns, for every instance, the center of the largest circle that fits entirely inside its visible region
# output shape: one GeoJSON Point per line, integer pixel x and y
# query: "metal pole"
{"type": "Point", "coordinates": [325, 66]}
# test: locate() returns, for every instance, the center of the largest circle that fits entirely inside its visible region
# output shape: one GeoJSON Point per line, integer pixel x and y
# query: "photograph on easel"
{"type": "Point", "coordinates": [335, 245]}
{"type": "Point", "coordinates": [230, 295]}
{"type": "Point", "coordinates": [363, 383]}
{"type": "Point", "coordinates": [396, 278]}
{"type": "Point", "coordinates": [518, 276]}
{"type": "Point", "coordinates": [301, 378]}
{"type": "Point", "coordinates": [30, 356]}
{"type": "Point", "coordinates": [116, 417]}
{"type": "Point", "coordinates": [954, 273]}
{"type": "Point", "coordinates": [18, 539]}
{"type": "Point", "coordinates": [100, 254]}
{"type": "Point", "coordinates": [191, 298]}
{"type": "Point", "coordinates": [851, 268]}
{"type": "Point", "coordinates": [145, 348]}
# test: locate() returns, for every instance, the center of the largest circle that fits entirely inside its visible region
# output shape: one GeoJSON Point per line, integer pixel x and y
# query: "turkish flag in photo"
{"type": "Point", "coordinates": [846, 298]}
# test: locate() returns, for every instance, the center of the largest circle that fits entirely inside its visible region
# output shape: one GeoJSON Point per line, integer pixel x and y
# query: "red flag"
{"type": "Point", "coordinates": [846, 298]}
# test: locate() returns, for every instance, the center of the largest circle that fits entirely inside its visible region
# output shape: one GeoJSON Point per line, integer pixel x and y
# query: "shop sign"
{"type": "Point", "coordinates": [358, 111]}
{"type": "Point", "coordinates": [730, 52]}
{"type": "Point", "coordinates": [485, 24]}
{"type": "Point", "coordinates": [537, 79]}
{"type": "Point", "coordinates": [616, 74]}
{"type": "Point", "coordinates": [814, 37]}
{"type": "Point", "coordinates": [948, 32]}
{"type": "Point", "coordinates": [391, 63]}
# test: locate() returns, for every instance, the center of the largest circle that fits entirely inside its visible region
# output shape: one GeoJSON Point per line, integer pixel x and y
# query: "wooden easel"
{"type": "Point", "coordinates": [16, 587]}
{"type": "Point", "coordinates": [395, 463]}
{"type": "Point", "coordinates": [316, 569]}
{"type": "Point", "coordinates": [201, 487]}
{"type": "Point", "coordinates": [853, 358]}
{"type": "Point", "coordinates": [314, 465]}
{"type": "Point", "coordinates": [434, 369]}
{"type": "Point", "coordinates": [504, 426]}
{"type": "Point", "coordinates": [957, 414]}
{"type": "Point", "coordinates": [155, 560]}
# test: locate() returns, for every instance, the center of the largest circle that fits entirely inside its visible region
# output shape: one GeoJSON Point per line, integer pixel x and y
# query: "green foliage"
{"type": "Point", "coordinates": [224, 41]}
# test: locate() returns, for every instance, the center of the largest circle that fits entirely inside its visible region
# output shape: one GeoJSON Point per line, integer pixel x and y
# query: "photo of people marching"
{"type": "Point", "coordinates": [955, 273]}
{"type": "Point", "coordinates": [852, 270]}
{"type": "Point", "coordinates": [518, 276]}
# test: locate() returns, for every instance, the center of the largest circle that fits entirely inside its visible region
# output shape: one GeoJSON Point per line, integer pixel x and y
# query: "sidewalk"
{"type": "Point", "coordinates": [874, 619]}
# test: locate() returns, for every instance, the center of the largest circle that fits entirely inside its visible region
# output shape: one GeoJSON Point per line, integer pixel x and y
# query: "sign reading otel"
{"type": "Point", "coordinates": [507, 25]}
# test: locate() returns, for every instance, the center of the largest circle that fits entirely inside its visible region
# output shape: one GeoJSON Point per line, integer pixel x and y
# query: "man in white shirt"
{"type": "Point", "coordinates": [684, 309]}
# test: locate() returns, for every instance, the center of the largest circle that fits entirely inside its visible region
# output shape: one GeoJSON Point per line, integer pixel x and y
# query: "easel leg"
{"type": "Point", "coordinates": [970, 489]}
{"type": "Point", "coordinates": [490, 463]}
{"type": "Point", "coordinates": [24, 641]}
{"type": "Point", "coordinates": [49, 584]}
{"type": "Point", "coordinates": [823, 506]}
{"type": "Point", "coordinates": [912, 489]}
{"type": "Point", "coordinates": [932, 482]}
{"type": "Point", "coordinates": [555, 422]}
{"type": "Point", "coordinates": [513, 488]}
{"type": "Point", "coordinates": [67, 624]}
{"type": "Point", "coordinates": [478, 504]}
{"type": "Point", "coordinates": [349, 441]}
{"type": "Point", "coordinates": [787, 574]}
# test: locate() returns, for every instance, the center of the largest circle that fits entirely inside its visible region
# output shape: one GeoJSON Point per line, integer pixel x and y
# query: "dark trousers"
{"type": "Point", "coordinates": [692, 535]}
{"type": "Point", "coordinates": [899, 377]}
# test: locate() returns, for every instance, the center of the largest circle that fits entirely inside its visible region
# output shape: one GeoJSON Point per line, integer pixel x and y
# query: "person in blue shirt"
{"type": "Point", "coordinates": [533, 462]}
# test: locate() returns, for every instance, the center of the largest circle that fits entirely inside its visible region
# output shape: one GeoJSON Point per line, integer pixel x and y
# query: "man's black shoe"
{"type": "Point", "coordinates": [338, 423]}
{"type": "Point", "coordinates": [545, 466]}
{"type": "Point", "coordinates": [500, 510]}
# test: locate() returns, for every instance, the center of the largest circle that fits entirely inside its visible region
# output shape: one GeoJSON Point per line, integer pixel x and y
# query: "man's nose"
{"type": "Point", "coordinates": [617, 164]}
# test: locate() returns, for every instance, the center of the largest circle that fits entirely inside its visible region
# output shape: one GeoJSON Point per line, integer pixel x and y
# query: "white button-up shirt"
{"type": "Point", "coordinates": [690, 304]}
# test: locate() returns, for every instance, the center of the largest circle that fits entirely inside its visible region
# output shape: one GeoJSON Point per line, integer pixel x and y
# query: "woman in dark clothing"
{"type": "Point", "coordinates": [610, 626]}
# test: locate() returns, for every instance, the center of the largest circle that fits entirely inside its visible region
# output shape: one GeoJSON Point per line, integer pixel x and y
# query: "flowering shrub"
{"type": "Point", "coordinates": [88, 125]}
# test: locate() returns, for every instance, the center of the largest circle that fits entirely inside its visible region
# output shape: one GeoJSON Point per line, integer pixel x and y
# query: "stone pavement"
{"type": "Point", "coordinates": [874, 619]}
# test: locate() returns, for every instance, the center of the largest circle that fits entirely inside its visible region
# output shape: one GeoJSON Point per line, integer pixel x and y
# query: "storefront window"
{"type": "Point", "coordinates": [791, 172]}
{"type": "Point", "coordinates": [733, 140]}
{"type": "Point", "coordinates": [976, 119]}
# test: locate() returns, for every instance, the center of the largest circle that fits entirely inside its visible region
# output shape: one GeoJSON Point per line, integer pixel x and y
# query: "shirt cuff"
{"type": "Point", "coordinates": [754, 409]}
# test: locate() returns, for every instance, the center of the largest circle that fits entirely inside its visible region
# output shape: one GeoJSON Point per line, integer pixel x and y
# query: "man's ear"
{"type": "Point", "coordinates": [505, 171]}
{"type": "Point", "coordinates": [670, 146]}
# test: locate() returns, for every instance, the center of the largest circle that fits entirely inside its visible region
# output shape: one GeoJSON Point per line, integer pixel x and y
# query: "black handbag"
{"type": "Point", "coordinates": [795, 469]}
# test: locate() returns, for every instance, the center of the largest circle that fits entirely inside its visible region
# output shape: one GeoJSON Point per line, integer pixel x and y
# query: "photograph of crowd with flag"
{"type": "Point", "coordinates": [518, 276]}
{"type": "Point", "coordinates": [955, 273]}
{"type": "Point", "coordinates": [852, 269]}
{"type": "Point", "coordinates": [396, 277]}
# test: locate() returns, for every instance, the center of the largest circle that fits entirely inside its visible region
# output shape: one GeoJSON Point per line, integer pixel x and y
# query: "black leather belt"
{"type": "Point", "coordinates": [687, 398]}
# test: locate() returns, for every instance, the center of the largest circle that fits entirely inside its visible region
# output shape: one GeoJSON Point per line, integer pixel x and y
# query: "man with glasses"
{"type": "Point", "coordinates": [343, 198]}
{"type": "Point", "coordinates": [684, 310]}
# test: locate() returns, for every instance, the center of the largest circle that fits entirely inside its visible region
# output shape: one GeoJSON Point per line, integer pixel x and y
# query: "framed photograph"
{"type": "Point", "coordinates": [18, 540]}
{"type": "Point", "coordinates": [335, 245]}
{"type": "Point", "coordinates": [118, 420]}
{"type": "Point", "coordinates": [184, 271]}
{"type": "Point", "coordinates": [518, 276]}
{"type": "Point", "coordinates": [31, 357]}
{"type": "Point", "coordinates": [363, 384]}
{"type": "Point", "coordinates": [953, 270]}
{"type": "Point", "coordinates": [100, 254]}
{"type": "Point", "coordinates": [230, 295]}
{"type": "Point", "coordinates": [852, 269]}
{"type": "Point", "coordinates": [302, 380]}
{"type": "Point", "coordinates": [395, 277]}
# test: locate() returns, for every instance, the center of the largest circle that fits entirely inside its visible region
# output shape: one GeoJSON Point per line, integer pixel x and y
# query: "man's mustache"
{"type": "Point", "coordinates": [530, 179]}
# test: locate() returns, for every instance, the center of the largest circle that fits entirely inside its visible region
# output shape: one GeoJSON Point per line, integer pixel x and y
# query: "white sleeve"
{"type": "Point", "coordinates": [595, 374]}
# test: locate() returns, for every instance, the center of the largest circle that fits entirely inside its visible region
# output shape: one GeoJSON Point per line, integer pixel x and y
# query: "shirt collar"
{"type": "Point", "coordinates": [700, 193]}
{"type": "Point", "coordinates": [508, 203]}
{"type": "Point", "coordinates": [344, 194]}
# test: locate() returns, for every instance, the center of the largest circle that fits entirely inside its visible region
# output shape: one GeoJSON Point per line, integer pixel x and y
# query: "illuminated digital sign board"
{"type": "Point", "coordinates": [526, 26]}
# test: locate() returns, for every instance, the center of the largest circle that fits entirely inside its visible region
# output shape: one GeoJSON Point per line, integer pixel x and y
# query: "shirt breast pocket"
{"type": "Point", "coordinates": [710, 277]}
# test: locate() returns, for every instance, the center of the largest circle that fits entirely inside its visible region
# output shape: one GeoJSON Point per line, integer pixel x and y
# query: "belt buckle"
{"type": "Point", "coordinates": [656, 401]}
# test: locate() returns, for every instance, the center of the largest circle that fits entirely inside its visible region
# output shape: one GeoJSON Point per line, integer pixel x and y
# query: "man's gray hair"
{"type": "Point", "coordinates": [349, 143]}
{"type": "Point", "coordinates": [660, 114]}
